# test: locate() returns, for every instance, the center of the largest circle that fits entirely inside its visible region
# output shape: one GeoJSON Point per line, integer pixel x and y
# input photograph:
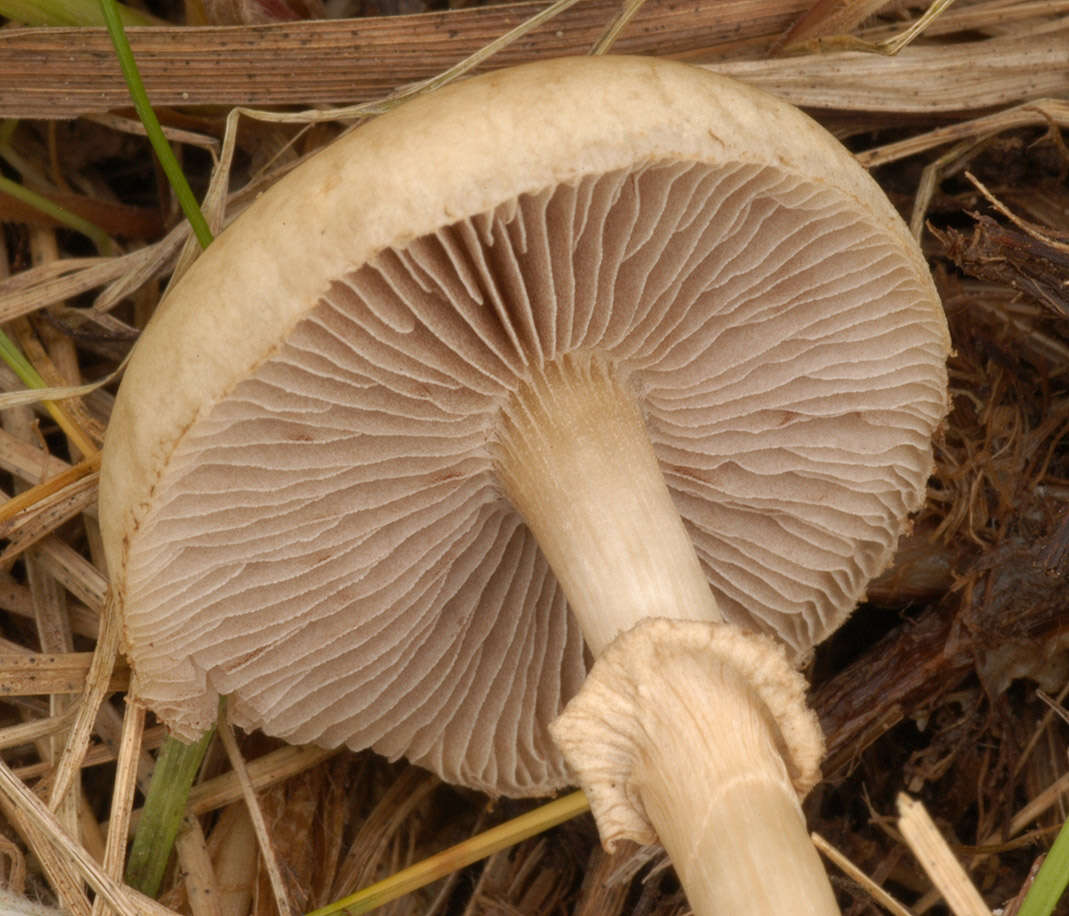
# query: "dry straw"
{"type": "Point", "coordinates": [982, 70]}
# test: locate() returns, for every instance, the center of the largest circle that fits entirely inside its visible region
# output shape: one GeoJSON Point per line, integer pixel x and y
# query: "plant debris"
{"type": "Point", "coordinates": [948, 684]}
{"type": "Point", "coordinates": [1009, 257]}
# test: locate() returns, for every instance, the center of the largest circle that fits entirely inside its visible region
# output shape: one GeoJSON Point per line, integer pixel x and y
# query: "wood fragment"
{"type": "Point", "coordinates": [58, 869]}
{"type": "Point", "coordinates": [74, 572]}
{"type": "Point", "coordinates": [370, 846]}
{"type": "Point", "coordinates": [263, 835]}
{"type": "Point", "coordinates": [938, 861]}
{"type": "Point", "coordinates": [34, 465]}
{"type": "Point", "coordinates": [122, 798]}
{"type": "Point", "coordinates": [50, 511]}
{"type": "Point", "coordinates": [202, 889]}
{"type": "Point", "coordinates": [27, 732]}
{"type": "Point", "coordinates": [1034, 112]}
{"type": "Point", "coordinates": [264, 771]}
{"type": "Point", "coordinates": [35, 289]}
{"type": "Point", "coordinates": [1006, 255]}
{"type": "Point", "coordinates": [921, 80]}
{"type": "Point", "coordinates": [97, 755]}
{"type": "Point", "coordinates": [60, 486]}
{"type": "Point", "coordinates": [96, 688]}
{"type": "Point", "coordinates": [852, 871]}
{"type": "Point", "coordinates": [830, 17]}
{"type": "Point", "coordinates": [125, 900]}
{"type": "Point", "coordinates": [44, 674]}
{"type": "Point", "coordinates": [1018, 604]}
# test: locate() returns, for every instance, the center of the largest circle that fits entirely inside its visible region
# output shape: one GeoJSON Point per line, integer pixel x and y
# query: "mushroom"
{"type": "Point", "coordinates": [602, 349]}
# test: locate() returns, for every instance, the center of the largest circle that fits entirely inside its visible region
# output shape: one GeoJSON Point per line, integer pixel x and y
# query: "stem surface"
{"type": "Point", "coordinates": [576, 461]}
{"type": "Point", "coordinates": [716, 789]}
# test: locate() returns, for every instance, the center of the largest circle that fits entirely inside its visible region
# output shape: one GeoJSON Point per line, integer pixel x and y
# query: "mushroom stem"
{"type": "Point", "coordinates": [724, 770]}
{"type": "Point", "coordinates": [675, 735]}
{"type": "Point", "coordinates": [695, 735]}
{"type": "Point", "coordinates": [575, 459]}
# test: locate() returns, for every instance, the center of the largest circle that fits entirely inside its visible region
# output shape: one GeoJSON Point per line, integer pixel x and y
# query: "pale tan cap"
{"type": "Point", "coordinates": [298, 495]}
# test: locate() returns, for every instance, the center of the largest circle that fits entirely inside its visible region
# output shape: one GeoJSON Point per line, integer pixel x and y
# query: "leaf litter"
{"type": "Point", "coordinates": [947, 684]}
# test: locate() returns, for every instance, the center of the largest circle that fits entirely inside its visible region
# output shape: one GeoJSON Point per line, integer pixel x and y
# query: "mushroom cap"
{"type": "Point", "coordinates": [298, 497]}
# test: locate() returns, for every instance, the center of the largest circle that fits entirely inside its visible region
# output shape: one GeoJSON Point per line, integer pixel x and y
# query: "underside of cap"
{"type": "Point", "coordinates": [299, 499]}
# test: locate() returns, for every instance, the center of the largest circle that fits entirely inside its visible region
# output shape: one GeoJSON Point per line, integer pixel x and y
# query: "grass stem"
{"type": "Point", "coordinates": [156, 137]}
{"type": "Point", "coordinates": [165, 806]}
{"type": "Point", "coordinates": [60, 214]}
{"type": "Point", "coordinates": [1051, 879]}
{"type": "Point", "coordinates": [456, 857]}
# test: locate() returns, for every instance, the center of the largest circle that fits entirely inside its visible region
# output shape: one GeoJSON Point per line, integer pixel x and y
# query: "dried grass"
{"type": "Point", "coordinates": [926, 697]}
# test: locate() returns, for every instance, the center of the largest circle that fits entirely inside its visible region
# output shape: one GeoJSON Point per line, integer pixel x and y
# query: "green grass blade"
{"type": "Point", "coordinates": [29, 376]}
{"type": "Point", "coordinates": [60, 214]}
{"type": "Point", "coordinates": [69, 13]}
{"type": "Point", "coordinates": [168, 162]}
{"type": "Point", "coordinates": [178, 763]}
{"type": "Point", "coordinates": [165, 806]}
{"type": "Point", "coordinates": [22, 367]}
{"type": "Point", "coordinates": [1051, 880]}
